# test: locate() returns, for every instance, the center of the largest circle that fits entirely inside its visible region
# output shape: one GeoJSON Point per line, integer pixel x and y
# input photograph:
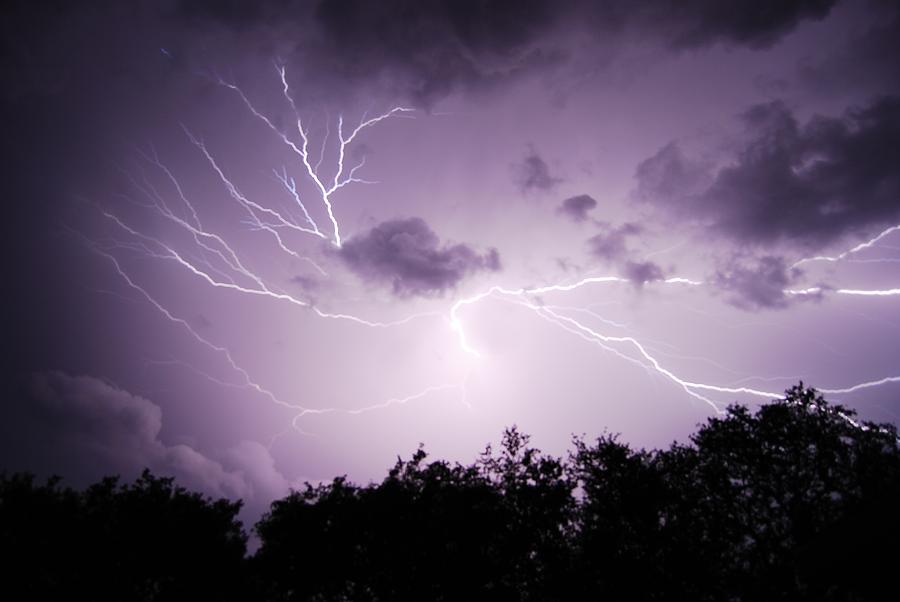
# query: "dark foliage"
{"type": "Point", "coordinates": [746, 512]}
{"type": "Point", "coordinates": [795, 502]}
{"type": "Point", "coordinates": [147, 541]}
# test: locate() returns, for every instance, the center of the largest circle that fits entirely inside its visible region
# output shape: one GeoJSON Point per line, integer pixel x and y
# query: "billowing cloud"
{"type": "Point", "coordinates": [577, 207]}
{"type": "Point", "coordinates": [420, 51]}
{"type": "Point", "coordinates": [806, 185]}
{"type": "Point", "coordinates": [761, 284]}
{"type": "Point", "coordinates": [610, 244]}
{"type": "Point", "coordinates": [194, 469]}
{"type": "Point", "coordinates": [532, 174]}
{"type": "Point", "coordinates": [426, 49]}
{"type": "Point", "coordinates": [255, 464]}
{"type": "Point", "coordinates": [86, 428]}
{"type": "Point", "coordinates": [642, 272]}
{"type": "Point", "coordinates": [409, 257]}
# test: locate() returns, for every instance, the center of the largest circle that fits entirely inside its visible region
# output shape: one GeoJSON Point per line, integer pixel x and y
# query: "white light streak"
{"type": "Point", "coordinates": [856, 249]}
{"type": "Point", "coordinates": [218, 264]}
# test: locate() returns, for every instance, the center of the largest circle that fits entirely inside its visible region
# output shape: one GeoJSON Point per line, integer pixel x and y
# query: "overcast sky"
{"type": "Point", "coordinates": [257, 244]}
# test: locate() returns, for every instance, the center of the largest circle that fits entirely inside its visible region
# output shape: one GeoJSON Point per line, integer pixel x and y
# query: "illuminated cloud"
{"type": "Point", "coordinates": [408, 256]}
{"type": "Point", "coordinates": [759, 285]}
{"type": "Point", "coordinates": [90, 428]}
{"type": "Point", "coordinates": [642, 272]}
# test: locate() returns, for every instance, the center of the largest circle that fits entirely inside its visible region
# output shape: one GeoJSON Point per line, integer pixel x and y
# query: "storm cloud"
{"type": "Point", "coordinates": [87, 428]}
{"type": "Point", "coordinates": [757, 285]}
{"type": "Point", "coordinates": [408, 256]}
{"type": "Point", "coordinates": [642, 272]}
{"type": "Point", "coordinates": [576, 208]}
{"type": "Point", "coordinates": [806, 185]}
{"type": "Point", "coordinates": [420, 51]}
{"type": "Point", "coordinates": [424, 50]}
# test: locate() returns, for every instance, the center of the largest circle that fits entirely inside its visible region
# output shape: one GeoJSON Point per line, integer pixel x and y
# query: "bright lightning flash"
{"type": "Point", "coordinates": [219, 264]}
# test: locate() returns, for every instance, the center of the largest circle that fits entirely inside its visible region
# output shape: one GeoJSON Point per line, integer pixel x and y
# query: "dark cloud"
{"type": "Point", "coordinates": [429, 49]}
{"type": "Point", "coordinates": [577, 207]}
{"type": "Point", "coordinates": [642, 272]}
{"type": "Point", "coordinates": [532, 174]}
{"type": "Point", "coordinates": [868, 61]}
{"type": "Point", "coordinates": [611, 243]}
{"type": "Point", "coordinates": [424, 50]}
{"type": "Point", "coordinates": [407, 255]}
{"type": "Point", "coordinates": [418, 51]}
{"type": "Point", "coordinates": [759, 285]}
{"type": "Point", "coordinates": [85, 428]}
{"type": "Point", "coordinates": [697, 23]}
{"type": "Point", "coordinates": [498, 25]}
{"type": "Point", "coordinates": [806, 185]}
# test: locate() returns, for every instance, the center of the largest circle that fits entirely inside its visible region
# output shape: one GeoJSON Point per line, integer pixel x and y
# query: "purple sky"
{"type": "Point", "coordinates": [585, 218]}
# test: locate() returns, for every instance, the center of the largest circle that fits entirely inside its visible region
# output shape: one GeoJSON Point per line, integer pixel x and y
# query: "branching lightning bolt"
{"type": "Point", "coordinates": [340, 179]}
{"type": "Point", "coordinates": [232, 272]}
{"type": "Point", "coordinates": [644, 358]}
{"type": "Point", "coordinates": [219, 264]}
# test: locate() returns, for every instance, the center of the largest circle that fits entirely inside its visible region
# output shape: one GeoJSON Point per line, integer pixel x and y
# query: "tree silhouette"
{"type": "Point", "coordinates": [620, 519]}
{"type": "Point", "coordinates": [773, 482]}
{"type": "Point", "coordinates": [732, 514]}
{"type": "Point", "coordinates": [795, 501]}
{"type": "Point", "coordinates": [426, 532]}
{"type": "Point", "coordinates": [149, 540]}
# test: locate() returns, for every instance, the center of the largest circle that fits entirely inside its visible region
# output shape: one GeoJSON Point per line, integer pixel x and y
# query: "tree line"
{"type": "Point", "coordinates": [795, 501]}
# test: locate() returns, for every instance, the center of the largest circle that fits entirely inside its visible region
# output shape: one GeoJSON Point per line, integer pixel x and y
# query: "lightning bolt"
{"type": "Point", "coordinates": [643, 356]}
{"type": "Point", "coordinates": [232, 273]}
{"type": "Point", "coordinates": [218, 264]}
{"type": "Point", "coordinates": [817, 290]}
{"type": "Point", "coordinates": [644, 359]}
{"type": "Point", "coordinates": [248, 381]}
{"type": "Point", "coordinates": [891, 292]}
{"type": "Point", "coordinates": [301, 149]}
{"type": "Point", "coordinates": [860, 247]}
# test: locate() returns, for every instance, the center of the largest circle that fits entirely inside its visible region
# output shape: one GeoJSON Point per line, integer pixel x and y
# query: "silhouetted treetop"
{"type": "Point", "coordinates": [796, 500]}
{"type": "Point", "coordinates": [149, 540]}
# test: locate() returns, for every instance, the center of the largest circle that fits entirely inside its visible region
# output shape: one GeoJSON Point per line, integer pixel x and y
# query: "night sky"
{"type": "Point", "coordinates": [252, 244]}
